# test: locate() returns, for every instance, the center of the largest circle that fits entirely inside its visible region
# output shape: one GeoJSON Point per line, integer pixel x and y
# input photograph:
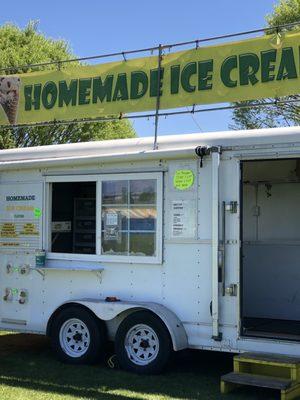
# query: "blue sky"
{"type": "Point", "coordinates": [95, 27]}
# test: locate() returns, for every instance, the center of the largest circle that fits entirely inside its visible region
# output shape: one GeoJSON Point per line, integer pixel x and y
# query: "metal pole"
{"type": "Point", "coordinates": [215, 162]}
{"type": "Point", "coordinates": [223, 245]}
{"type": "Point", "coordinates": [157, 96]}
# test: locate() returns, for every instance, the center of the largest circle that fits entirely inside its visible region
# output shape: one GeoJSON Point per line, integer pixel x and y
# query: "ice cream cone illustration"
{"type": "Point", "coordinates": [9, 97]}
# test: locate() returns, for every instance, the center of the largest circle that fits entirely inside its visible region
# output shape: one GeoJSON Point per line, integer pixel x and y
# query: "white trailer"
{"type": "Point", "coordinates": [193, 245]}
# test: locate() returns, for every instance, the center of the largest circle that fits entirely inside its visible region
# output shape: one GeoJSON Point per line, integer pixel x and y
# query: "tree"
{"type": "Point", "coordinates": [285, 12]}
{"type": "Point", "coordinates": [28, 46]}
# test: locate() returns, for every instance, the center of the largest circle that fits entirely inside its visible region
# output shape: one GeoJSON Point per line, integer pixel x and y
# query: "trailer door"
{"type": "Point", "coordinates": [225, 247]}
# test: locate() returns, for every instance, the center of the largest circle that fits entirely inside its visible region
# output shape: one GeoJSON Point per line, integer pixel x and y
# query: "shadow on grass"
{"type": "Point", "coordinates": [28, 363]}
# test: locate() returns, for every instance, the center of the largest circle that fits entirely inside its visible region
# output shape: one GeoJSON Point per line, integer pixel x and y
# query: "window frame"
{"type": "Point", "coordinates": [157, 259]}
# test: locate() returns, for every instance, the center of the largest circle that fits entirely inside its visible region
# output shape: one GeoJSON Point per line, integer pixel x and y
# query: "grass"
{"type": "Point", "coordinates": [28, 370]}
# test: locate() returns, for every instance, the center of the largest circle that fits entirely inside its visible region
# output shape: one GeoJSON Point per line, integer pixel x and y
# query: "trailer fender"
{"type": "Point", "coordinates": [117, 311]}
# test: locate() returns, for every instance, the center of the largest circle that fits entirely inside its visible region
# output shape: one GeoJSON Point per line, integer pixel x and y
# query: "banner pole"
{"type": "Point", "coordinates": [155, 146]}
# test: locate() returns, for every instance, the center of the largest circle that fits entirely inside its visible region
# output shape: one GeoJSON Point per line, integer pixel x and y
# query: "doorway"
{"type": "Point", "coordinates": [270, 253]}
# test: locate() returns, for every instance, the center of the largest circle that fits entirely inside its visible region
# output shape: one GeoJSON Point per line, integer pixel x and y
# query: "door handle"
{"type": "Point", "coordinates": [232, 208]}
{"type": "Point", "coordinates": [223, 249]}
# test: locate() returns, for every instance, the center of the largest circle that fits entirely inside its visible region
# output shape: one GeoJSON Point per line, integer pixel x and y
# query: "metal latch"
{"type": "Point", "coordinates": [232, 207]}
{"type": "Point", "coordinates": [231, 290]}
{"type": "Point", "coordinates": [256, 211]}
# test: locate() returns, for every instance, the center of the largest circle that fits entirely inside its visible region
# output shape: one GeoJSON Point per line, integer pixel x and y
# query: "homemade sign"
{"type": "Point", "coordinates": [262, 67]}
{"type": "Point", "coordinates": [20, 216]}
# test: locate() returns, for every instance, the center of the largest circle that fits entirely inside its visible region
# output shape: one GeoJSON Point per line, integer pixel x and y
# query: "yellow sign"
{"type": "Point", "coordinates": [262, 67]}
{"type": "Point", "coordinates": [183, 179]}
{"type": "Point", "coordinates": [29, 229]}
{"type": "Point", "coordinates": [8, 230]}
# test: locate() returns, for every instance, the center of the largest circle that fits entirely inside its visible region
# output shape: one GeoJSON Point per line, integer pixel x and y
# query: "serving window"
{"type": "Point", "coordinates": [113, 217]}
{"type": "Point", "coordinates": [129, 217]}
{"type": "Point", "coordinates": [73, 221]}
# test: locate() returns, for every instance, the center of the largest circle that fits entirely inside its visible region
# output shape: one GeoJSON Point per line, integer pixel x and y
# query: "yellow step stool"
{"type": "Point", "coordinates": [265, 370]}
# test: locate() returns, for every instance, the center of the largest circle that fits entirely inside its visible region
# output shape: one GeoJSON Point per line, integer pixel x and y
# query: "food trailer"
{"type": "Point", "coordinates": [195, 244]}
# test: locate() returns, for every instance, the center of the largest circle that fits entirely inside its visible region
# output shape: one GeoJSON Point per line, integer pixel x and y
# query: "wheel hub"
{"type": "Point", "coordinates": [142, 344]}
{"type": "Point", "coordinates": [74, 337]}
{"type": "Point", "coordinates": [78, 337]}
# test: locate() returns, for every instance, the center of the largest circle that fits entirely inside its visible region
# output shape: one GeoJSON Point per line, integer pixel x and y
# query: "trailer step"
{"type": "Point", "coordinates": [256, 380]}
{"type": "Point", "coordinates": [271, 335]}
{"type": "Point", "coordinates": [267, 371]}
{"type": "Point", "coordinates": [272, 359]}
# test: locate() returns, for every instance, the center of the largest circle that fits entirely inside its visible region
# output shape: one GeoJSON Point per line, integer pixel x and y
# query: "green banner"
{"type": "Point", "coordinates": [267, 66]}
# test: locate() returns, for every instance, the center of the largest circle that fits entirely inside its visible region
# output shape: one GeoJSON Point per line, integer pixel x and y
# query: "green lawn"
{"type": "Point", "coordinates": [28, 370]}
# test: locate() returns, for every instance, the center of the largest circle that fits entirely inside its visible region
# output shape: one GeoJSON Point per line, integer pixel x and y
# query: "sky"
{"type": "Point", "coordinates": [95, 27]}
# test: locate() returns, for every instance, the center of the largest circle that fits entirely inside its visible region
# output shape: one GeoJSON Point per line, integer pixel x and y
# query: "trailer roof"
{"type": "Point", "coordinates": [142, 148]}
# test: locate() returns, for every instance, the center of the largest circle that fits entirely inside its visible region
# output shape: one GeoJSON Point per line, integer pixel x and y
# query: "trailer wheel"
{"type": "Point", "coordinates": [143, 343]}
{"type": "Point", "coordinates": [78, 337]}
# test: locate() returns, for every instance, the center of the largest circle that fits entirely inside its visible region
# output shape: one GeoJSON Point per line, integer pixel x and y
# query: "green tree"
{"type": "Point", "coordinates": [21, 47]}
{"type": "Point", "coordinates": [288, 114]}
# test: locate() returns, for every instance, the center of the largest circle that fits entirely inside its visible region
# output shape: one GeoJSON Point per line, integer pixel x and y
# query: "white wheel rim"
{"type": "Point", "coordinates": [74, 337]}
{"type": "Point", "coordinates": [141, 344]}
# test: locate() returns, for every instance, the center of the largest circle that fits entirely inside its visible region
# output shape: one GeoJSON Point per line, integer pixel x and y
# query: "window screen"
{"type": "Point", "coordinates": [129, 217]}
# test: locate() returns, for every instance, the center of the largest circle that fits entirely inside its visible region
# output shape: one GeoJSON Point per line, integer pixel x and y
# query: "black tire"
{"type": "Point", "coordinates": [94, 350]}
{"type": "Point", "coordinates": [128, 361]}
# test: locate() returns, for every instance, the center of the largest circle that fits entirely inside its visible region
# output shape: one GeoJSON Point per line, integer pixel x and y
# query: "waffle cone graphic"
{"type": "Point", "coordinates": [9, 97]}
{"type": "Point", "coordinates": [10, 108]}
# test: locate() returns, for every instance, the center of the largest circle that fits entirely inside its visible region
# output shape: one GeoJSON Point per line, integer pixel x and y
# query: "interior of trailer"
{"type": "Point", "coordinates": [270, 254]}
{"type": "Point", "coordinates": [73, 210]}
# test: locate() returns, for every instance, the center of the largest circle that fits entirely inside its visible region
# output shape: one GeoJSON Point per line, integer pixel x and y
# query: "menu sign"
{"type": "Point", "coordinates": [20, 223]}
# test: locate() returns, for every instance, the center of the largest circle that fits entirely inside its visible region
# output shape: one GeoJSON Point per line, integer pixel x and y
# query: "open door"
{"type": "Point", "coordinates": [270, 257]}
